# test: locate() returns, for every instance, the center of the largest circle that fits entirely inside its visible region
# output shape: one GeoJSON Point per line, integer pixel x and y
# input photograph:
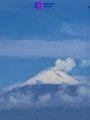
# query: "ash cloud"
{"type": "Point", "coordinates": [65, 65]}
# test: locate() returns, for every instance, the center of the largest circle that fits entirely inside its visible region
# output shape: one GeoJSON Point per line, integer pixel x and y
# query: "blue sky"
{"type": "Point", "coordinates": [31, 40]}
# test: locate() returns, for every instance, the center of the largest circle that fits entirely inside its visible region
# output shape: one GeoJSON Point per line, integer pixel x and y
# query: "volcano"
{"type": "Point", "coordinates": [51, 76]}
{"type": "Point", "coordinates": [48, 77]}
{"type": "Point", "coordinates": [41, 90]}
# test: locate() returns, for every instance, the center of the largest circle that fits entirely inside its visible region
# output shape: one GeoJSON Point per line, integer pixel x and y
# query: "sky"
{"type": "Point", "coordinates": [32, 40]}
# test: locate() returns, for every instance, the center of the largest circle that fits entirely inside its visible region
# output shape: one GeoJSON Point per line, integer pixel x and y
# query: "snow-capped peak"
{"type": "Point", "coordinates": [51, 76]}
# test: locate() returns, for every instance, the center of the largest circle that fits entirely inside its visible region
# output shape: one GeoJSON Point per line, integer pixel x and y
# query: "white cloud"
{"type": "Point", "coordinates": [41, 48]}
{"type": "Point", "coordinates": [85, 62]}
{"type": "Point", "coordinates": [80, 78]}
{"type": "Point", "coordinates": [44, 98]}
{"type": "Point", "coordinates": [83, 79]}
{"type": "Point", "coordinates": [74, 29]}
{"type": "Point", "coordinates": [65, 65]}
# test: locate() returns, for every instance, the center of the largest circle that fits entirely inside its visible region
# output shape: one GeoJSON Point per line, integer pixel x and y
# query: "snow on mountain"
{"type": "Point", "coordinates": [51, 76]}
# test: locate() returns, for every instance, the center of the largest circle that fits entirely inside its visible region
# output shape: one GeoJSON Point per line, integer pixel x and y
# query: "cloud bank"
{"type": "Point", "coordinates": [78, 96]}
{"type": "Point", "coordinates": [41, 48]}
